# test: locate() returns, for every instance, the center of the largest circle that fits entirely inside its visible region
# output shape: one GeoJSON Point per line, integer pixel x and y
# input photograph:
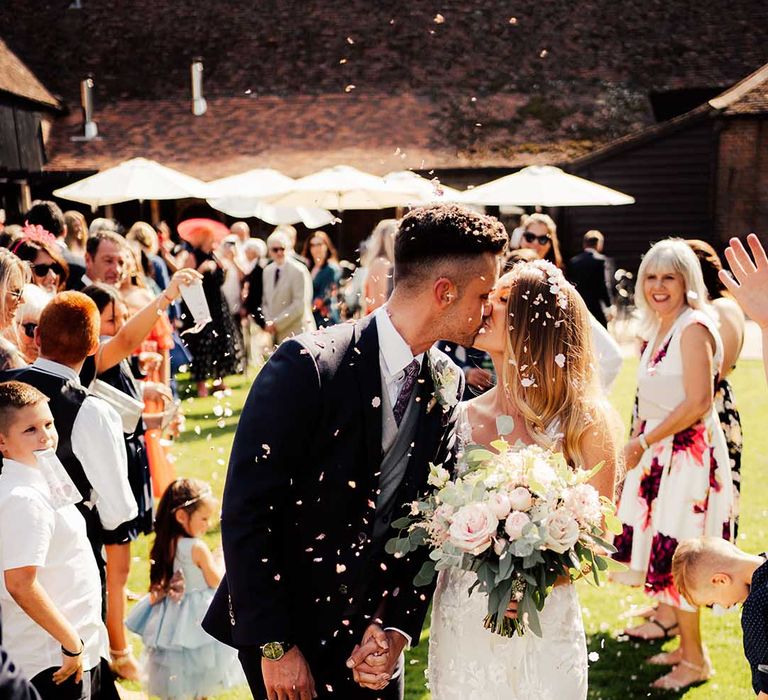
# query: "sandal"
{"type": "Point", "coordinates": [666, 658]}
{"type": "Point", "coordinates": [703, 673]}
{"type": "Point", "coordinates": [667, 631]}
{"type": "Point", "coordinates": [125, 665]}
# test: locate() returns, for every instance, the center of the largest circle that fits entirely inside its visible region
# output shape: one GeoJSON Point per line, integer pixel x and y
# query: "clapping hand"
{"type": "Point", "coordinates": [750, 286]}
{"type": "Point", "coordinates": [373, 662]}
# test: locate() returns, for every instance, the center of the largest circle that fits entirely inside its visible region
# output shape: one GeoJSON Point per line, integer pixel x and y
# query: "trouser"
{"type": "Point", "coordinates": [96, 684]}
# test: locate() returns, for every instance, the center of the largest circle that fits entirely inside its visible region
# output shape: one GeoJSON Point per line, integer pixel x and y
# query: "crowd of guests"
{"type": "Point", "coordinates": [91, 329]}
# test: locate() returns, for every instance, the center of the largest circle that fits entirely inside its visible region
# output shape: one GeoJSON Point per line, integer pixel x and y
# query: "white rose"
{"type": "Point", "coordinates": [473, 527]}
{"type": "Point", "coordinates": [515, 523]}
{"type": "Point", "coordinates": [520, 498]}
{"type": "Point", "coordinates": [562, 531]}
{"type": "Point", "coordinates": [438, 476]}
{"type": "Point", "coordinates": [543, 474]}
{"type": "Point", "coordinates": [499, 503]}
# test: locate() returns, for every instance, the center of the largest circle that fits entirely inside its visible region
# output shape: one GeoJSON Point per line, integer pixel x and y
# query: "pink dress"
{"type": "Point", "coordinates": [682, 486]}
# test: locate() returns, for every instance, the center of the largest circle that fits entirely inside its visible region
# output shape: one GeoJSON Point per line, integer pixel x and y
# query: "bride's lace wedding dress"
{"type": "Point", "coordinates": [467, 661]}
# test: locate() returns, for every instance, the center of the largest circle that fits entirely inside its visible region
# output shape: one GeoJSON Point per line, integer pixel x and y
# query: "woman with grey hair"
{"type": "Point", "coordinates": [679, 481]}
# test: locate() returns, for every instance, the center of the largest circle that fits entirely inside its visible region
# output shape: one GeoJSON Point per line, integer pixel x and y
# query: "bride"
{"type": "Point", "coordinates": [538, 338]}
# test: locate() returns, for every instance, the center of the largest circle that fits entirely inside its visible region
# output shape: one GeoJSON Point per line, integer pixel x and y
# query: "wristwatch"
{"type": "Point", "coordinates": [274, 651]}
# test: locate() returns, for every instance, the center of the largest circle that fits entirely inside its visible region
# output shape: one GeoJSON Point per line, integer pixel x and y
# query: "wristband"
{"type": "Point", "coordinates": [643, 441]}
{"type": "Point", "coordinates": [72, 654]}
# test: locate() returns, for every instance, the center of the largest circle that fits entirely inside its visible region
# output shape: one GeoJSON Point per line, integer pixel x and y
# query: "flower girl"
{"type": "Point", "coordinates": [184, 661]}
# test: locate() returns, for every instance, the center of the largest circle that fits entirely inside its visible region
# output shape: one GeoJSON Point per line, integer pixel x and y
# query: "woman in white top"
{"type": "Point", "coordinates": [50, 594]}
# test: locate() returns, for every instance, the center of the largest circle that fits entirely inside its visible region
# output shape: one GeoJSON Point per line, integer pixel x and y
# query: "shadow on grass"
{"type": "Point", "coordinates": [621, 672]}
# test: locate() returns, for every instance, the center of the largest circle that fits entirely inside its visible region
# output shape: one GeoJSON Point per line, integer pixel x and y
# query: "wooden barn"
{"type": "Point", "coordinates": [703, 174]}
{"type": "Point", "coordinates": [27, 110]}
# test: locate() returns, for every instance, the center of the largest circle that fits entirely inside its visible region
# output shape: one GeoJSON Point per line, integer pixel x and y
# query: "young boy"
{"type": "Point", "coordinates": [50, 590]}
{"type": "Point", "coordinates": [712, 571]}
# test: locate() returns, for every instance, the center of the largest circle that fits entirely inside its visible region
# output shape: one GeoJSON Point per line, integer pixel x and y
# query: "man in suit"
{"type": "Point", "coordinates": [287, 293]}
{"type": "Point", "coordinates": [588, 271]}
{"type": "Point", "coordinates": [337, 434]}
{"type": "Point", "coordinates": [51, 218]}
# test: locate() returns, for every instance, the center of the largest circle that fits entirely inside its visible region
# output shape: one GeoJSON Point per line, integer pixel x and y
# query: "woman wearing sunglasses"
{"type": "Point", "coordinates": [27, 318]}
{"type": "Point", "coordinates": [540, 236]}
{"type": "Point", "coordinates": [40, 250]}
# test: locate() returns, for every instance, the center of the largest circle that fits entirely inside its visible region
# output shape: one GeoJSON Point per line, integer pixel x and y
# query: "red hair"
{"type": "Point", "coordinates": [69, 328]}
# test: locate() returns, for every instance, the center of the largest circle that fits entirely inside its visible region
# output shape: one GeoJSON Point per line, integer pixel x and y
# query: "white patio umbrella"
{"type": "Point", "coordinates": [138, 178]}
{"type": "Point", "coordinates": [241, 196]}
{"type": "Point", "coordinates": [426, 191]}
{"type": "Point", "coordinates": [546, 186]}
{"type": "Point", "coordinates": [341, 188]}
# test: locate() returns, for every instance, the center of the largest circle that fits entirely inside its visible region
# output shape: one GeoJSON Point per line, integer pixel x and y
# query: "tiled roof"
{"type": "Point", "coordinates": [17, 79]}
{"type": "Point", "coordinates": [297, 135]}
{"type": "Point", "coordinates": [749, 96]}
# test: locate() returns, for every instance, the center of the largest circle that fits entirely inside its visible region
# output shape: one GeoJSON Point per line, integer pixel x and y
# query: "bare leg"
{"type": "Point", "coordinates": [694, 665]}
{"type": "Point", "coordinates": [118, 567]}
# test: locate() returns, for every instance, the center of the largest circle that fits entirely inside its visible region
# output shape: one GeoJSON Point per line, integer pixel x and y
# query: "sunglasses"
{"type": "Point", "coordinates": [276, 250]}
{"type": "Point", "coordinates": [29, 329]}
{"type": "Point", "coordinates": [531, 237]}
{"type": "Point", "coordinates": [42, 269]}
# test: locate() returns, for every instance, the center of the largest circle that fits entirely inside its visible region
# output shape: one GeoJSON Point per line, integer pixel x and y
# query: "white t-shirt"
{"type": "Point", "coordinates": [32, 533]}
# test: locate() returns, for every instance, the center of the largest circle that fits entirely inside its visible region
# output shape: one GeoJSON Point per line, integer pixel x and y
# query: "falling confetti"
{"type": "Point", "coordinates": [376, 401]}
{"type": "Point", "coordinates": [513, 20]}
{"type": "Point", "coordinates": [560, 360]}
{"type": "Point", "coordinates": [349, 88]}
{"type": "Point", "coordinates": [439, 19]}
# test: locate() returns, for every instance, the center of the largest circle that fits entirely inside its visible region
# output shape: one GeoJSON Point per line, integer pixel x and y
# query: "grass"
{"type": "Point", "coordinates": [619, 672]}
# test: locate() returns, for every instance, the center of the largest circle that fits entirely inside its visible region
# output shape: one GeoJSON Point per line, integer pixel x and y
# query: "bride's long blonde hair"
{"type": "Point", "coordinates": [548, 372]}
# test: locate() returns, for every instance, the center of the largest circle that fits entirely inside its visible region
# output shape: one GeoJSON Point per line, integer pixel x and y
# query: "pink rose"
{"type": "Point", "coordinates": [515, 523]}
{"type": "Point", "coordinates": [583, 503]}
{"type": "Point", "coordinates": [520, 498]}
{"type": "Point", "coordinates": [473, 527]}
{"type": "Point", "coordinates": [499, 504]}
{"type": "Point", "coordinates": [562, 531]}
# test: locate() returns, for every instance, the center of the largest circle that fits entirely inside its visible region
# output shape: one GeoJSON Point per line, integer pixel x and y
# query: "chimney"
{"type": "Point", "coordinates": [86, 97]}
{"type": "Point", "coordinates": [199, 105]}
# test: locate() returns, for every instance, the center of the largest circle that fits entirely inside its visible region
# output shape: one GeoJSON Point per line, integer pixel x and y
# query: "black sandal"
{"type": "Point", "coordinates": [668, 632]}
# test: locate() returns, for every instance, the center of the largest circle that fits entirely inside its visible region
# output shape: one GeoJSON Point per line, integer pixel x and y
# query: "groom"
{"type": "Point", "coordinates": [336, 436]}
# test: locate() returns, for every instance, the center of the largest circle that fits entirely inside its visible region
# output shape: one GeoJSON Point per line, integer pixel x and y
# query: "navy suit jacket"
{"type": "Point", "coordinates": [587, 272]}
{"type": "Point", "coordinates": [13, 686]}
{"type": "Point", "coordinates": [299, 503]}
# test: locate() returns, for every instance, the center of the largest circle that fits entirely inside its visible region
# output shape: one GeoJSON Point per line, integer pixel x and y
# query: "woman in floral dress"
{"type": "Point", "coordinates": [679, 481]}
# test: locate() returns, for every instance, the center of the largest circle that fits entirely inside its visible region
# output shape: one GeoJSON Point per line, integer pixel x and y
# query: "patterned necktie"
{"type": "Point", "coordinates": [411, 372]}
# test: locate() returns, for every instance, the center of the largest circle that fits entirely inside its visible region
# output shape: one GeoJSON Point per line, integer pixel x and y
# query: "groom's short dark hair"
{"type": "Point", "coordinates": [429, 235]}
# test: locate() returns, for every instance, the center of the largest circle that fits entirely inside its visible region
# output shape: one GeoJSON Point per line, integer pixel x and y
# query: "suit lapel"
{"type": "Point", "coordinates": [365, 355]}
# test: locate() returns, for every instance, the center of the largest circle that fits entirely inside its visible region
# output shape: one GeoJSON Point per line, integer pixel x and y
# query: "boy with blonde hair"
{"type": "Point", "coordinates": [713, 571]}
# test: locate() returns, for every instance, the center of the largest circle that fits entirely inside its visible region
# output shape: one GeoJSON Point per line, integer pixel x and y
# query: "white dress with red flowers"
{"type": "Point", "coordinates": [682, 486]}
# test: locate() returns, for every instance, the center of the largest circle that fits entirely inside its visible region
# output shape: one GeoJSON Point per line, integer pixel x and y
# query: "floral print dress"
{"type": "Point", "coordinates": [682, 486]}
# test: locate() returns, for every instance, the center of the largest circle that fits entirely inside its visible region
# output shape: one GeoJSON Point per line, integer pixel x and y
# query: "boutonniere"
{"type": "Point", "coordinates": [446, 380]}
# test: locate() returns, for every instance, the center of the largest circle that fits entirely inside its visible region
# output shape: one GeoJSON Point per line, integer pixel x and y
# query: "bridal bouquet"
{"type": "Point", "coordinates": [519, 518]}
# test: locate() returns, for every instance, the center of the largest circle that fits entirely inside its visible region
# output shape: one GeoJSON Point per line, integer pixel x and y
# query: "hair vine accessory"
{"type": "Point", "coordinates": [34, 233]}
{"type": "Point", "coordinates": [202, 495]}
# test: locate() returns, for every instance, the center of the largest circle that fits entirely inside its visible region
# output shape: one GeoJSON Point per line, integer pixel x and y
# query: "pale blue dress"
{"type": "Point", "coordinates": [183, 660]}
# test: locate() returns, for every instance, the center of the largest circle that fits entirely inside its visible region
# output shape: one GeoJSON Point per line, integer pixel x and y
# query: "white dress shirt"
{"type": "Point", "coordinates": [33, 533]}
{"type": "Point", "coordinates": [608, 353]}
{"type": "Point", "coordinates": [394, 356]}
{"type": "Point", "coordinates": [97, 441]}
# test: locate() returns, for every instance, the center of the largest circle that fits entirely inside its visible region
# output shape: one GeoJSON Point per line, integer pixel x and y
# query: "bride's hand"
{"type": "Point", "coordinates": [511, 610]}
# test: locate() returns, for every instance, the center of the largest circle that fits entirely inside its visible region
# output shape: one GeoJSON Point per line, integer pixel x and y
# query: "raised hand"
{"type": "Point", "coordinates": [750, 286]}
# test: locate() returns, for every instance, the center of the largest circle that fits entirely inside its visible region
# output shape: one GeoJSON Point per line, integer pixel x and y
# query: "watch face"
{"type": "Point", "coordinates": [273, 651]}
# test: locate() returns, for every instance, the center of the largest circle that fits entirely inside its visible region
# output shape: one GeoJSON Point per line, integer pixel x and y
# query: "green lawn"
{"type": "Point", "coordinates": [619, 673]}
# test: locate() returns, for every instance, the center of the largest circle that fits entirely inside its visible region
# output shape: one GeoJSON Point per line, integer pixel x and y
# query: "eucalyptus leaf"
{"type": "Point", "coordinates": [426, 574]}
{"type": "Point", "coordinates": [402, 523]}
{"type": "Point", "coordinates": [505, 425]}
{"type": "Point", "coordinates": [613, 524]}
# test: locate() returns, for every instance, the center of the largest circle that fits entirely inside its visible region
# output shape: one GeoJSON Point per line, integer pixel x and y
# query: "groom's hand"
{"type": "Point", "coordinates": [288, 678]}
{"type": "Point", "coordinates": [374, 661]}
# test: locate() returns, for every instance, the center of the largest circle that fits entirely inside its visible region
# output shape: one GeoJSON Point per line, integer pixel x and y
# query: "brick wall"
{"type": "Point", "coordinates": [742, 177]}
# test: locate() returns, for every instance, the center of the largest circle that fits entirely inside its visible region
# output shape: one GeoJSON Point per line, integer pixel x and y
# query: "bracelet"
{"type": "Point", "coordinates": [643, 441]}
{"type": "Point", "coordinates": [71, 654]}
